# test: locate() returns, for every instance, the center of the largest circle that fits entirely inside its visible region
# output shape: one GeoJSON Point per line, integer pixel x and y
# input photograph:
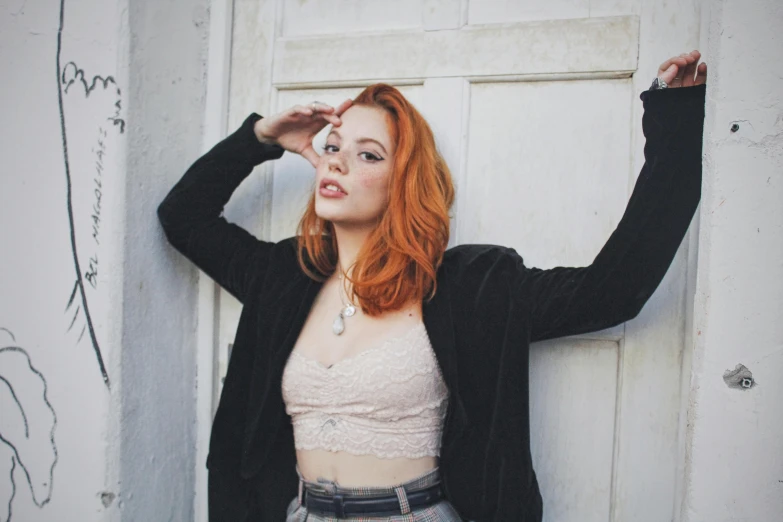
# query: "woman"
{"type": "Point", "coordinates": [376, 375]}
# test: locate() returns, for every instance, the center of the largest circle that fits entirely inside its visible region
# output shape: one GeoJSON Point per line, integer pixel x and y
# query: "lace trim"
{"type": "Point", "coordinates": [417, 330]}
{"type": "Point", "coordinates": [340, 433]}
{"type": "Point", "coordinates": [389, 400]}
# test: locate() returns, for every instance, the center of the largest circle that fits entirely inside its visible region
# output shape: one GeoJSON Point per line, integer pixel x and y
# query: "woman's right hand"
{"type": "Point", "coordinates": [295, 128]}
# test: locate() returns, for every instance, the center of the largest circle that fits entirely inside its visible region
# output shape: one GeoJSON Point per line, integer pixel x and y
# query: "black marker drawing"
{"type": "Point", "coordinates": [26, 428]}
{"type": "Point", "coordinates": [13, 491]}
{"type": "Point", "coordinates": [90, 121]}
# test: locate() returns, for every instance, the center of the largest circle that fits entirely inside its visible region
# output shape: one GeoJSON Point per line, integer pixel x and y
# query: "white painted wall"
{"type": "Point", "coordinates": [128, 451]}
{"type": "Point", "coordinates": [75, 445]}
{"type": "Point", "coordinates": [734, 458]}
{"type": "Point", "coordinates": [64, 405]}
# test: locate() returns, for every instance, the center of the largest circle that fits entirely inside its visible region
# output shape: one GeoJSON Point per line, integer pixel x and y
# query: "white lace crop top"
{"type": "Point", "coordinates": [388, 401]}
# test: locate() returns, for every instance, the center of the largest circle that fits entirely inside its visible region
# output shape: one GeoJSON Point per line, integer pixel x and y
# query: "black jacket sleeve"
{"type": "Point", "coordinates": [630, 266]}
{"type": "Point", "coordinates": [191, 213]}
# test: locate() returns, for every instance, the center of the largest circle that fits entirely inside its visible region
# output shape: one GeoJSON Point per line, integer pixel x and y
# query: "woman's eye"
{"type": "Point", "coordinates": [330, 148]}
{"type": "Point", "coordinates": [370, 156]}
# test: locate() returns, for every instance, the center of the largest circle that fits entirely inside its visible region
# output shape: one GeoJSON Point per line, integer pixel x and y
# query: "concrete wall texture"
{"type": "Point", "coordinates": [103, 104]}
{"type": "Point", "coordinates": [734, 452]}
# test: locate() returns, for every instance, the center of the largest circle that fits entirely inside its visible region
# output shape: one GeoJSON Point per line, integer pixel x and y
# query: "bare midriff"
{"type": "Point", "coordinates": [351, 470]}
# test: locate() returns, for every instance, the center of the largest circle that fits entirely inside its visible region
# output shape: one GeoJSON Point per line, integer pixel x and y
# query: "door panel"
{"type": "Point", "coordinates": [535, 108]}
{"type": "Point", "coordinates": [594, 46]}
{"type": "Point", "coordinates": [572, 419]}
{"type": "Point", "coordinates": [535, 182]}
{"type": "Point", "coordinates": [317, 17]}
{"type": "Point", "coordinates": [492, 11]}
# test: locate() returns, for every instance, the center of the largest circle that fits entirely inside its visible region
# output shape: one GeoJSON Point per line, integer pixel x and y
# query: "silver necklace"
{"type": "Point", "coordinates": [348, 309]}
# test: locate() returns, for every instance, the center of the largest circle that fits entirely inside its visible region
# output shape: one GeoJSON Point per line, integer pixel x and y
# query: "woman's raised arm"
{"type": "Point", "coordinates": [630, 266]}
{"type": "Point", "coordinates": [191, 213]}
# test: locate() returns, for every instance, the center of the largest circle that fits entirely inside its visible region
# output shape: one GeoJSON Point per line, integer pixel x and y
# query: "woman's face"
{"type": "Point", "coordinates": [352, 177]}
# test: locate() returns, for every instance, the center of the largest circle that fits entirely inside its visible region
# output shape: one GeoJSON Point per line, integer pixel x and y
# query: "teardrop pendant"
{"type": "Point", "coordinates": [338, 326]}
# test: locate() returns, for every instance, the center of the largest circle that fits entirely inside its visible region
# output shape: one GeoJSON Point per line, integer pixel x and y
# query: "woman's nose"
{"type": "Point", "coordinates": [336, 164]}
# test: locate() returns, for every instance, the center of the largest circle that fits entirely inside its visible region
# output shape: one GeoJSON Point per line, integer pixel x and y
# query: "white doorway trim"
{"type": "Point", "coordinates": [215, 121]}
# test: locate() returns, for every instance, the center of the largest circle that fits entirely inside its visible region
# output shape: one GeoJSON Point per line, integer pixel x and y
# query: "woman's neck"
{"type": "Point", "coordinates": [349, 242]}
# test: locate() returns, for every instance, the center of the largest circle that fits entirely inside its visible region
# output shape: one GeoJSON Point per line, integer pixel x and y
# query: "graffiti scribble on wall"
{"type": "Point", "coordinates": [27, 427]}
{"type": "Point", "coordinates": [91, 122]}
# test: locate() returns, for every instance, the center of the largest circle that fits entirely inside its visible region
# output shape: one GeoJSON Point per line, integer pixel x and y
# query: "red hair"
{"type": "Point", "coordinates": [398, 262]}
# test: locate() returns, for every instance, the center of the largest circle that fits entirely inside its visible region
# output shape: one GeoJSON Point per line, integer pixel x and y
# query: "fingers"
{"type": "Point", "coordinates": [690, 69]}
{"type": "Point", "coordinates": [317, 110]}
{"type": "Point", "coordinates": [313, 108]}
{"type": "Point", "coordinates": [343, 107]}
{"type": "Point", "coordinates": [329, 113]}
{"type": "Point", "coordinates": [677, 61]}
{"type": "Point", "coordinates": [322, 107]}
{"type": "Point", "coordinates": [311, 155]}
{"type": "Point", "coordinates": [679, 71]}
{"type": "Point", "coordinates": [301, 109]}
{"type": "Point", "coordinates": [701, 74]}
{"type": "Point", "coordinates": [669, 74]}
{"type": "Point", "coordinates": [331, 118]}
{"type": "Point", "coordinates": [679, 78]}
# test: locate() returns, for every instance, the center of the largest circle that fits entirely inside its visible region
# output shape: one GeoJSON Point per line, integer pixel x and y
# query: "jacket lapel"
{"type": "Point", "coordinates": [439, 322]}
{"type": "Point", "coordinates": [266, 400]}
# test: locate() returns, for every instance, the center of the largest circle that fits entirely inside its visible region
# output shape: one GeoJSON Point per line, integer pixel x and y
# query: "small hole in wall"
{"type": "Point", "coordinates": [107, 498]}
{"type": "Point", "coordinates": [739, 378]}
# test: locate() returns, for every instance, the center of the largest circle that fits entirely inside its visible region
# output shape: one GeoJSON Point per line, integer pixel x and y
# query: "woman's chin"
{"type": "Point", "coordinates": [335, 218]}
{"type": "Point", "coordinates": [327, 214]}
{"type": "Point", "coordinates": [340, 220]}
{"type": "Point", "coordinates": [328, 211]}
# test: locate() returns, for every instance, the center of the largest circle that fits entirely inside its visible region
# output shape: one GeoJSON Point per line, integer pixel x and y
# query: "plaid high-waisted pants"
{"type": "Point", "coordinates": [442, 511]}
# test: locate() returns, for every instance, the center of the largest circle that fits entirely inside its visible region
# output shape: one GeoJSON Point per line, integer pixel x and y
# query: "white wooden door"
{"type": "Point", "coordinates": [535, 107]}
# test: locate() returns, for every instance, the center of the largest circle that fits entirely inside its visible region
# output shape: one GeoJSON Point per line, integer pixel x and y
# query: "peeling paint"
{"type": "Point", "coordinates": [739, 378]}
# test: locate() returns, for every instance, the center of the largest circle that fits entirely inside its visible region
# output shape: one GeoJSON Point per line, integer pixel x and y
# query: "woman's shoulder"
{"type": "Point", "coordinates": [282, 254]}
{"type": "Point", "coordinates": [481, 258]}
{"type": "Point", "coordinates": [470, 252]}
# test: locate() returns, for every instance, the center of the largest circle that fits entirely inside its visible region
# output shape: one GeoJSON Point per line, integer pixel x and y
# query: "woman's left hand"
{"type": "Point", "coordinates": [679, 71]}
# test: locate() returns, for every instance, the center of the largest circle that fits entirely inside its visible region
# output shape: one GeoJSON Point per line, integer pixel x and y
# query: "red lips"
{"type": "Point", "coordinates": [330, 181]}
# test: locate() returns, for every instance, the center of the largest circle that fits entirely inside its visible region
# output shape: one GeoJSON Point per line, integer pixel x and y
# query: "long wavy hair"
{"type": "Point", "coordinates": [398, 262]}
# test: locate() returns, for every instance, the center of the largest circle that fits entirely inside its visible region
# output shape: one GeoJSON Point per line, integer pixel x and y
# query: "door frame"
{"type": "Point", "coordinates": [215, 124]}
{"type": "Point", "coordinates": [218, 119]}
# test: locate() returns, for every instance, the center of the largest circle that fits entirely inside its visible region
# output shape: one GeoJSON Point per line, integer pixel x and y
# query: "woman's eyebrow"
{"type": "Point", "coordinates": [364, 140]}
{"type": "Point", "coordinates": [359, 140]}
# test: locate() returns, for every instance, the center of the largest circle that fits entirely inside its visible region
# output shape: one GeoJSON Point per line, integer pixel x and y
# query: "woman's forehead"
{"type": "Point", "coordinates": [361, 121]}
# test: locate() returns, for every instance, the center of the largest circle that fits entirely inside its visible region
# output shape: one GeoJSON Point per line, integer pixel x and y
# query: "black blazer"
{"type": "Point", "coordinates": [487, 310]}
